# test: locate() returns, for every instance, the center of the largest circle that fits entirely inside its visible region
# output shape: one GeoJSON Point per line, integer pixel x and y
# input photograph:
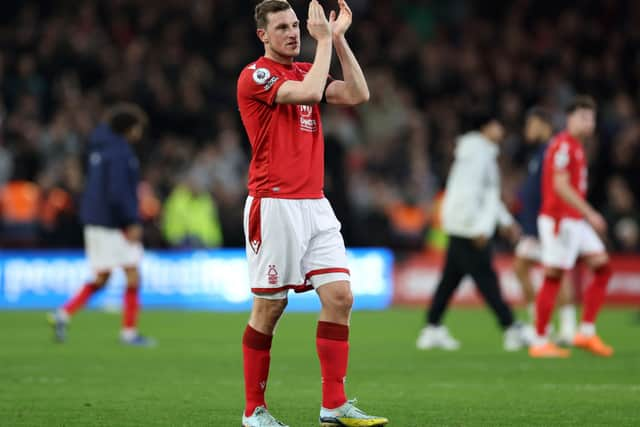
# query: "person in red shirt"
{"type": "Point", "coordinates": [293, 239]}
{"type": "Point", "coordinates": [569, 227]}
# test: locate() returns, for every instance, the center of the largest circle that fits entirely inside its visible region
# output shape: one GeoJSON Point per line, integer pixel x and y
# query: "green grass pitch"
{"type": "Point", "coordinates": [194, 376]}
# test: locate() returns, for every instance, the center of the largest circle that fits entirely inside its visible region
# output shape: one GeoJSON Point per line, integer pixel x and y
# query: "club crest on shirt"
{"type": "Point", "coordinates": [307, 124]}
{"type": "Point", "coordinates": [261, 76]}
{"type": "Point", "coordinates": [305, 110]}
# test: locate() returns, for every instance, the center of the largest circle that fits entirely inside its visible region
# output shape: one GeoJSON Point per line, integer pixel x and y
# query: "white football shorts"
{"type": "Point", "coordinates": [107, 248]}
{"type": "Point", "coordinates": [292, 244]}
{"type": "Point", "coordinates": [564, 242]}
{"type": "Point", "coordinates": [529, 248]}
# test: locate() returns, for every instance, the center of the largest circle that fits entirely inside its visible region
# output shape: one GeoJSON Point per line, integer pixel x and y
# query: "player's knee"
{"type": "Point", "coordinates": [101, 279]}
{"type": "Point", "coordinates": [603, 269]}
{"type": "Point", "coordinates": [553, 273]}
{"type": "Point", "coordinates": [521, 266]}
{"type": "Point", "coordinates": [269, 311]}
{"type": "Point", "coordinates": [599, 262]}
{"type": "Point", "coordinates": [341, 299]}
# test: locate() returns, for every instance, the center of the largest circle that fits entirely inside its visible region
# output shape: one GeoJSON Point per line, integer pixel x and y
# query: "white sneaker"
{"type": "Point", "coordinates": [436, 337]}
{"type": "Point", "coordinates": [565, 338]}
{"type": "Point", "coordinates": [529, 334]}
{"type": "Point", "coordinates": [517, 337]}
{"type": "Point", "coordinates": [261, 418]}
{"type": "Point", "coordinates": [348, 415]}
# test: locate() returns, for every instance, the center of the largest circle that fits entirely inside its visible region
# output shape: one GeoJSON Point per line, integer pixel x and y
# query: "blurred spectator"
{"type": "Point", "coordinates": [19, 206]}
{"type": "Point", "coordinates": [190, 216]}
{"type": "Point", "coordinates": [623, 216]}
{"type": "Point", "coordinates": [430, 65]}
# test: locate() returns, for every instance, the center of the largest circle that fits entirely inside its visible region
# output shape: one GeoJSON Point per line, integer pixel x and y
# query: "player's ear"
{"type": "Point", "coordinates": [262, 35]}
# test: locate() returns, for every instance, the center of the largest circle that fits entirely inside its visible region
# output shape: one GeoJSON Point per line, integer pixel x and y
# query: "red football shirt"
{"type": "Point", "coordinates": [565, 153]}
{"type": "Point", "coordinates": [287, 145]}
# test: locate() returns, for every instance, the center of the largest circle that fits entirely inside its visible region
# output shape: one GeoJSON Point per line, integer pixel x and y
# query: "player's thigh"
{"type": "Point", "coordinates": [559, 242]}
{"type": "Point", "coordinates": [454, 270]}
{"type": "Point", "coordinates": [325, 258]}
{"type": "Point", "coordinates": [480, 268]}
{"type": "Point", "coordinates": [275, 241]}
{"type": "Point", "coordinates": [592, 250]}
{"type": "Point", "coordinates": [130, 254]}
{"type": "Point", "coordinates": [101, 248]}
{"type": "Point", "coordinates": [529, 249]}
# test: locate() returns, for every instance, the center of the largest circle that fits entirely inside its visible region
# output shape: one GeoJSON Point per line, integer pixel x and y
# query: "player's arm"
{"type": "Point", "coordinates": [311, 89]}
{"type": "Point", "coordinates": [353, 90]}
{"type": "Point", "coordinates": [562, 187]}
{"type": "Point", "coordinates": [121, 193]}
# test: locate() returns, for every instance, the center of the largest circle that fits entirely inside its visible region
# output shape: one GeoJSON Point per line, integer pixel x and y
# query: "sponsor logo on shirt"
{"type": "Point", "coordinates": [270, 83]}
{"type": "Point", "coordinates": [307, 124]}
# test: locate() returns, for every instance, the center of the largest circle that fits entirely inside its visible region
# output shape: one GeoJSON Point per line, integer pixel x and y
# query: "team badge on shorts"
{"type": "Point", "coordinates": [272, 275]}
{"type": "Point", "coordinates": [261, 76]}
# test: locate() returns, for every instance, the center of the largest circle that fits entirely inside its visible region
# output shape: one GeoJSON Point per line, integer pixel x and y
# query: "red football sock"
{"type": "Point", "coordinates": [545, 302]}
{"type": "Point", "coordinates": [131, 307]}
{"type": "Point", "coordinates": [256, 351]}
{"type": "Point", "coordinates": [332, 342]}
{"type": "Point", "coordinates": [595, 294]}
{"type": "Point", "coordinates": [80, 299]}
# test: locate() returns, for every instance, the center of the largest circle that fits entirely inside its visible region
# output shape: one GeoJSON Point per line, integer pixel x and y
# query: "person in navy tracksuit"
{"type": "Point", "coordinates": [538, 131]}
{"type": "Point", "coordinates": [109, 212]}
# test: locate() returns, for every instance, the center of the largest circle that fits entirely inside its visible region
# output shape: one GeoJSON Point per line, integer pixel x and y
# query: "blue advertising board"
{"type": "Point", "coordinates": [198, 280]}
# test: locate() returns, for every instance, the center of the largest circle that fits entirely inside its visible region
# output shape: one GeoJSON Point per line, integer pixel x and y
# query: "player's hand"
{"type": "Point", "coordinates": [133, 233]}
{"type": "Point", "coordinates": [480, 242]}
{"type": "Point", "coordinates": [317, 23]}
{"type": "Point", "coordinates": [597, 222]}
{"type": "Point", "coordinates": [512, 232]}
{"type": "Point", "coordinates": [341, 24]}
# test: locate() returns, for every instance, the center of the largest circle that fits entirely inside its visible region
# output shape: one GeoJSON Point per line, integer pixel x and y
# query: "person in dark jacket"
{"type": "Point", "coordinates": [109, 212]}
{"type": "Point", "coordinates": [538, 132]}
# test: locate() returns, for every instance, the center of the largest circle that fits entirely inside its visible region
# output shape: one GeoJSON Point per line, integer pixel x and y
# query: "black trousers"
{"type": "Point", "coordinates": [464, 257]}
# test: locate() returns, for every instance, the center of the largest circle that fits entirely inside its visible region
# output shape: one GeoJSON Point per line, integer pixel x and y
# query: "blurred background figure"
{"type": "Point", "coordinates": [623, 216]}
{"type": "Point", "coordinates": [570, 228]}
{"type": "Point", "coordinates": [472, 211]}
{"type": "Point", "coordinates": [111, 219]}
{"type": "Point", "coordinates": [61, 64]}
{"type": "Point", "coordinates": [538, 131]}
{"type": "Point", "coordinates": [190, 216]}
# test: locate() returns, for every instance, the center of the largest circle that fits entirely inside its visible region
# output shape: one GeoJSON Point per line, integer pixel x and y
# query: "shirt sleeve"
{"type": "Point", "coordinates": [122, 190]}
{"type": "Point", "coordinates": [562, 157]}
{"type": "Point", "coordinates": [260, 84]}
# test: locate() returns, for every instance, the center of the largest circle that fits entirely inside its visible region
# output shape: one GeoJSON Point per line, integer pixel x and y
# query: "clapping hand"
{"type": "Point", "coordinates": [341, 23]}
{"type": "Point", "coordinates": [317, 23]}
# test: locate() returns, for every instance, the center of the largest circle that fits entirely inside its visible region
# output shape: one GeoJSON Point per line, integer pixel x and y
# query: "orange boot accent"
{"type": "Point", "coordinates": [593, 344]}
{"type": "Point", "coordinates": [548, 350]}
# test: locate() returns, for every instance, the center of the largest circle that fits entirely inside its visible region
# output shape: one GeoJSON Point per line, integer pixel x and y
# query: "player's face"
{"type": "Point", "coordinates": [495, 131]}
{"type": "Point", "coordinates": [135, 134]}
{"type": "Point", "coordinates": [582, 122]}
{"type": "Point", "coordinates": [536, 130]}
{"type": "Point", "coordinates": [282, 35]}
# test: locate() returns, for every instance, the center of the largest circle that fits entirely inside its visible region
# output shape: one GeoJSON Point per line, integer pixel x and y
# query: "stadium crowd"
{"type": "Point", "coordinates": [432, 66]}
